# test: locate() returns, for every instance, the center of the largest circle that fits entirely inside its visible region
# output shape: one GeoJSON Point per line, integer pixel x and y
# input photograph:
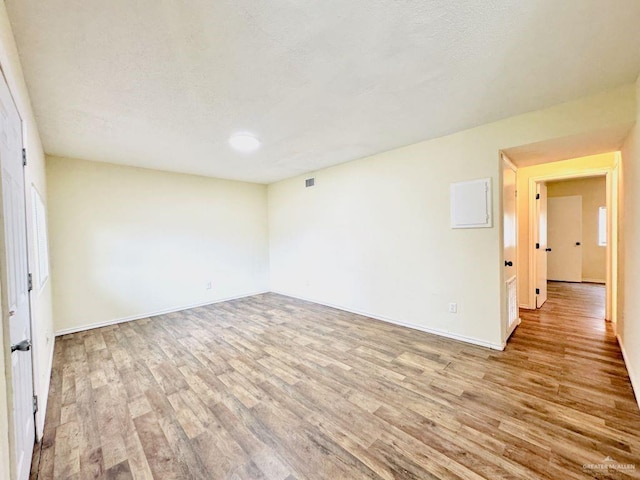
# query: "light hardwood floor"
{"type": "Point", "coordinates": [277, 388]}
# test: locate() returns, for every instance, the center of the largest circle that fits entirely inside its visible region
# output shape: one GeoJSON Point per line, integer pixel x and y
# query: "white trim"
{"type": "Point", "coordinates": [508, 161]}
{"type": "Point", "coordinates": [66, 331]}
{"type": "Point", "coordinates": [594, 280]}
{"type": "Point", "coordinates": [413, 326]}
{"type": "Point", "coordinates": [627, 362]}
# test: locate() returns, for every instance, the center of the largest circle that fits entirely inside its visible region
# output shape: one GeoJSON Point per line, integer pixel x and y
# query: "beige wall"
{"type": "Point", "coordinates": [128, 242]}
{"type": "Point", "coordinates": [594, 196]}
{"type": "Point", "coordinates": [41, 298]}
{"type": "Point", "coordinates": [628, 327]}
{"type": "Point", "coordinates": [373, 235]}
{"type": "Point", "coordinates": [574, 166]}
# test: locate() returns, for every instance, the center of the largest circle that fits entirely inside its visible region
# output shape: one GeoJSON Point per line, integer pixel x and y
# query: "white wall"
{"type": "Point", "coordinates": [40, 299]}
{"type": "Point", "coordinates": [628, 327]}
{"type": "Point", "coordinates": [128, 242]}
{"type": "Point", "coordinates": [373, 235]}
{"type": "Point", "coordinates": [594, 195]}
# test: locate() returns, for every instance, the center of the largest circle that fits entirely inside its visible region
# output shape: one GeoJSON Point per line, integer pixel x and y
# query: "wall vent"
{"type": "Point", "coordinates": [309, 182]}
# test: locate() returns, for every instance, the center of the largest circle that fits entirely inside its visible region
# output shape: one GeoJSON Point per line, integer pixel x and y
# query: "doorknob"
{"type": "Point", "coordinates": [23, 346]}
{"type": "Point", "coordinates": [508, 264]}
{"type": "Point", "coordinates": [547, 249]}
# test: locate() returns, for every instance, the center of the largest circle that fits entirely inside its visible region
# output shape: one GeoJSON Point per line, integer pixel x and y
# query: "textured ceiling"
{"type": "Point", "coordinates": [162, 84]}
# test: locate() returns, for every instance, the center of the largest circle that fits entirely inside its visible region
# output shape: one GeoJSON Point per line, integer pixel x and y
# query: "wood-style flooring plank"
{"type": "Point", "coordinates": [270, 387]}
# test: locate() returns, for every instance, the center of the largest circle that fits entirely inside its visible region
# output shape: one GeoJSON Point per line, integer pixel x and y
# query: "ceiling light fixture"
{"type": "Point", "coordinates": [244, 142]}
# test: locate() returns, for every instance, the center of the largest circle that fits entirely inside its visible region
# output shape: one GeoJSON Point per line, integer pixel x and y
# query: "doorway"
{"type": "Point", "coordinates": [573, 235]}
{"type": "Point", "coordinates": [532, 179]}
{"type": "Point", "coordinates": [578, 225]}
{"type": "Point", "coordinates": [16, 284]}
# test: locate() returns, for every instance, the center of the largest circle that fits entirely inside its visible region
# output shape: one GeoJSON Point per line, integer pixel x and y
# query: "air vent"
{"type": "Point", "coordinates": [309, 182]}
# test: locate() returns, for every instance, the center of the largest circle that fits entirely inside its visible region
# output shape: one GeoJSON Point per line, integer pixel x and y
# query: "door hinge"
{"type": "Point", "coordinates": [35, 404]}
{"type": "Point", "coordinates": [537, 246]}
{"type": "Point", "coordinates": [537, 196]}
{"type": "Point", "coordinates": [537, 291]}
{"type": "Point", "coordinates": [24, 157]}
{"type": "Point", "coordinates": [30, 282]}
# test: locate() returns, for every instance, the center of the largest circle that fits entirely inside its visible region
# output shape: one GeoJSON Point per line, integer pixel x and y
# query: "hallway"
{"type": "Point", "coordinates": [575, 349]}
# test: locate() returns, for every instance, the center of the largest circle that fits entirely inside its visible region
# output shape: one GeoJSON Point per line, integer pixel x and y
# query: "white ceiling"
{"type": "Point", "coordinates": [162, 84]}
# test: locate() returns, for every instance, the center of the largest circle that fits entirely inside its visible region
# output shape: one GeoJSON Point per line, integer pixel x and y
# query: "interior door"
{"type": "Point", "coordinates": [15, 282]}
{"type": "Point", "coordinates": [510, 232]}
{"type": "Point", "coordinates": [541, 248]}
{"type": "Point", "coordinates": [565, 238]}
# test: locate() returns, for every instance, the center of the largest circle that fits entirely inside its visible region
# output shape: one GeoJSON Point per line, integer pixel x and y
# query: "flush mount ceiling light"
{"type": "Point", "coordinates": [244, 142]}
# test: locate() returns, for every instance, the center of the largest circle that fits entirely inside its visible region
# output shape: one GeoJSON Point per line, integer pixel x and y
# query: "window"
{"type": "Point", "coordinates": [41, 241]}
{"type": "Point", "coordinates": [602, 226]}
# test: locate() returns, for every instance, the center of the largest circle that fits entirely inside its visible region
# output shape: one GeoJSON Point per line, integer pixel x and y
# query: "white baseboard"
{"type": "Point", "coordinates": [66, 331]}
{"type": "Point", "coordinates": [632, 374]}
{"type": "Point", "coordinates": [441, 333]}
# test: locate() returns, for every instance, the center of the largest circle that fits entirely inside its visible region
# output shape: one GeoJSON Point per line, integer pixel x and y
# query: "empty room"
{"type": "Point", "coordinates": [320, 240]}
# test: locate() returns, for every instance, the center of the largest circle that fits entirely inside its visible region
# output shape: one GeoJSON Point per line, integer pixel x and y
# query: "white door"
{"type": "Point", "coordinates": [15, 290]}
{"type": "Point", "coordinates": [510, 232]}
{"type": "Point", "coordinates": [565, 238]}
{"type": "Point", "coordinates": [541, 249]}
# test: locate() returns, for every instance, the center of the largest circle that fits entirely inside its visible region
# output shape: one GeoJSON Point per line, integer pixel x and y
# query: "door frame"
{"type": "Point", "coordinates": [4, 315]}
{"type": "Point", "coordinates": [611, 175]}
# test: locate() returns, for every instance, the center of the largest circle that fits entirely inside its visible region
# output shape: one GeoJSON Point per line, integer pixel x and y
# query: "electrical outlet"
{"type": "Point", "coordinates": [453, 308]}
{"type": "Point", "coordinates": [208, 285]}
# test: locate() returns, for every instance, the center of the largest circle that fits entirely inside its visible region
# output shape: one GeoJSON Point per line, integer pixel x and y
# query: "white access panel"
{"type": "Point", "coordinates": [471, 204]}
